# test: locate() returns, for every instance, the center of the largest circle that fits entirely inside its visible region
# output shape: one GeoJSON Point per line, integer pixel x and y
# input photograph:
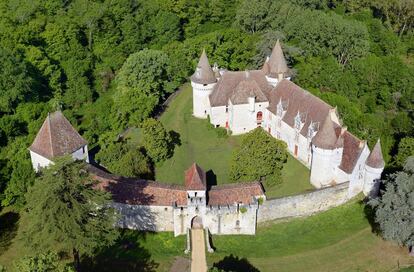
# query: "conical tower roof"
{"type": "Point", "coordinates": [56, 137]}
{"type": "Point", "coordinates": [277, 63]}
{"type": "Point", "coordinates": [326, 136]}
{"type": "Point", "coordinates": [375, 159]}
{"type": "Point", "coordinates": [203, 74]}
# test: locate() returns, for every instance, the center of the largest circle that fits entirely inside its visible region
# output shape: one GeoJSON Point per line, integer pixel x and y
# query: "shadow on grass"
{"type": "Point", "coordinates": [8, 230]}
{"type": "Point", "coordinates": [211, 178]}
{"type": "Point", "coordinates": [235, 264]}
{"type": "Point", "coordinates": [126, 255]}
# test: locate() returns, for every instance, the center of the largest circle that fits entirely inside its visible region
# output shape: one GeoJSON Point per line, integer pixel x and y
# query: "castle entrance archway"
{"type": "Point", "coordinates": [196, 222]}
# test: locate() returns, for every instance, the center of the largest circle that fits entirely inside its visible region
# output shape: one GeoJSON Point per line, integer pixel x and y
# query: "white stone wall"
{"type": "Point", "coordinates": [81, 154]}
{"type": "Point", "coordinates": [322, 170]}
{"type": "Point", "coordinates": [304, 204]}
{"type": "Point", "coordinates": [243, 117]}
{"type": "Point", "coordinates": [201, 102]}
{"type": "Point", "coordinates": [372, 181]}
{"type": "Point", "coordinates": [356, 178]}
{"type": "Point", "coordinates": [218, 116]}
{"type": "Point", "coordinates": [141, 217]}
{"type": "Point", "coordinates": [219, 220]}
{"type": "Point", "coordinates": [39, 161]}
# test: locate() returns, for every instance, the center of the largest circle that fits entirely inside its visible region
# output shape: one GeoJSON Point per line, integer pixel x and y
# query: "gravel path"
{"type": "Point", "coordinates": [198, 251]}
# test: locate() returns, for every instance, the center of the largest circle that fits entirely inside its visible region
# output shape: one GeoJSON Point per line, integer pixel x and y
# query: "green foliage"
{"type": "Point", "coordinates": [142, 81]}
{"type": "Point", "coordinates": [43, 262]}
{"type": "Point", "coordinates": [259, 156]}
{"type": "Point", "coordinates": [243, 209]}
{"type": "Point", "coordinates": [260, 201]}
{"type": "Point", "coordinates": [252, 15]}
{"type": "Point", "coordinates": [394, 209]}
{"type": "Point", "coordinates": [405, 150]}
{"type": "Point", "coordinates": [157, 141]}
{"type": "Point", "coordinates": [64, 213]}
{"type": "Point", "coordinates": [125, 159]}
{"type": "Point", "coordinates": [15, 82]}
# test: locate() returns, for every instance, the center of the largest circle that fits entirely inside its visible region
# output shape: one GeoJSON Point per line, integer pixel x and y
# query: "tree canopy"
{"type": "Point", "coordinates": [259, 157]}
{"type": "Point", "coordinates": [157, 141]}
{"type": "Point", "coordinates": [64, 213]}
{"type": "Point", "coordinates": [394, 209]}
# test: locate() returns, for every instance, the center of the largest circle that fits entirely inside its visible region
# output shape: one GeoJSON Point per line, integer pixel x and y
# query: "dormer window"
{"type": "Point", "coordinates": [298, 122]}
{"type": "Point", "coordinates": [279, 109]}
{"type": "Point", "coordinates": [310, 132]}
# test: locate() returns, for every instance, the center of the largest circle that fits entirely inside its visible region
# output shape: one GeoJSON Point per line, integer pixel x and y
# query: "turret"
{"type": "Point", "coordinates": [57, 138]}
{"type": "Point", "coordinates": [327, 150]}
{"type": "Point", "coordinates": [203, 81]}
{"type": "Point", "coordinates": [374, 165]}
{"type": "Point", "coordinates": [275, 67]}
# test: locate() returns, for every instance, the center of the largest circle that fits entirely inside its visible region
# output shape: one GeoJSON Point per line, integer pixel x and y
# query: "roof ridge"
{"type": "Point", "coordinates": [50, 134]}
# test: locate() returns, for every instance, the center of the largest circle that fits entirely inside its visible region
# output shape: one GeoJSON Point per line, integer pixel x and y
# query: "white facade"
{"type": "Point", "coordinates": [201, 103]}
{"type": "Point", "coordinates": [38, 161]}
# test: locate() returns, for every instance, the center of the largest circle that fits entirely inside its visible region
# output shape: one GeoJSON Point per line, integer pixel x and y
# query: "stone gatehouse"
{"type": "Point", "coordinates": [149, 205]}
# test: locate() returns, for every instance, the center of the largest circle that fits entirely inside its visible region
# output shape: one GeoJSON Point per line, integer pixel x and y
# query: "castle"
{"type": "Point", "coordinates": [240, 102]}
{"type": "Point", "coordinates": [154, 206]}
{"type": "Point", "coordinates": [244, 100]}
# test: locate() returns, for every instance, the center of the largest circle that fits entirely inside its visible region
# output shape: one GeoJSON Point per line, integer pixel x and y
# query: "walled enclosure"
{"type": "Point", "coordinates": [304, 204]}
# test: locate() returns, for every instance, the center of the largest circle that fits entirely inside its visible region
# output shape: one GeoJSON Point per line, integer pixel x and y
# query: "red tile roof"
{"type": "Point", "coordinates": [139, 192]}
{"type": "Point", "coordinates": [56, 137]}
{"type": "Point", "coordinates": [230, 194]}
{"type": "Point", "coordinates": [352, 150]}
{"type": "Point", "coordinates": [195, 178]}
{"type": "Point", "coordinates": [375, 158]}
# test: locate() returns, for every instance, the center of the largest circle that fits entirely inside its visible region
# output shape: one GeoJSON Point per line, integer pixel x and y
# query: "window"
{"type": "Point", "coordinates": [279, 122]}
{"type": "Point", "coordinates": [237, 223]}
{"type": "Point", "coordinates": [296, 136]}
{"type": "Point", "coordinates": [195, 194]}
{"type": "Point", "coordinates": [83, 149]}
{"type": "Point", "coordinates": [297, 121]}
{"type": "Point", "coordinates": [259, 116]}
{"type": "Point", "coordinates": [227, 109]}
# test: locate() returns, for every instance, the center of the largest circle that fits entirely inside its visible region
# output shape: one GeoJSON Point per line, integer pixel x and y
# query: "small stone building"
{"type": "Point", "coordinates": [154, 206]}
{"type": "Point", "coordinates": [57, 138]}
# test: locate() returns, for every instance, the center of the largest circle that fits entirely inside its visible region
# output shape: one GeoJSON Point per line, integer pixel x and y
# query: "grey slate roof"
{"type": "Point", "coordinates": [245, 89]}
{"type": "Point", "coordinates": [204, 73]}
{"type": "Point", "coordinates": [295, 99]}
{"type": "Point", "coordinates": [226, 86]}
{"type": "Point", "coordinates": [375, 158]}
{"type": "Point", "coordinates": [56, 137]}
{"type": "Point", "coordinates": [277, 63]}
{"type": "Point", "coordinates": [326, 137]}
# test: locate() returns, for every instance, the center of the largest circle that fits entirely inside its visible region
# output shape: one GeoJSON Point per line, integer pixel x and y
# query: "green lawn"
{"type": "Point", "coordinates": [202, 145]}
{"type": "Point", "coordinates": [336, 240]}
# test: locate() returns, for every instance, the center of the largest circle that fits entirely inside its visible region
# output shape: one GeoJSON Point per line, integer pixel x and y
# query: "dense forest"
{"type": "Point", "coordinates": [108, 65]}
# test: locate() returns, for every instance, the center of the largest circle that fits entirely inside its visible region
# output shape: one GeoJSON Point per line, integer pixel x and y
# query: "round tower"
{"type": "Point", "coordinates": [325, 154]}
{"type": "Point", "coordinates": [374, 165]}
{"type": "Point", "coordinates": [203, 81]}
{"type": "Point", "coordinates": [275, 67]}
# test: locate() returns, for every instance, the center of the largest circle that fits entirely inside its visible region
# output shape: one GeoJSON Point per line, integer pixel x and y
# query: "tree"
{"type": "Point", "coordinates": [259, 156]}
{"type": "Point", "coordinates": [125, 159]}
{"type": "Point", "coordinates": [44, 262]}
{"type": "Point", "coordinates": [405, 150]}
{"type": "Point", "coordinates": [252, 14]}
{"type": "Point", "coordinates": [394, 209]}
{"type": "Point", "coordinates": [64, 213]}
{"type": "Point", "coordinates": [142, 82]}
{"type": "Point", "coordinates": [157, 141]}
{"type": "Point", "coordinates": [15, 82]}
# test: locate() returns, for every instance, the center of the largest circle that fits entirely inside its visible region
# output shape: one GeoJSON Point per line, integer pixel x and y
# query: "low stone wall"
{"type": "Point", "coordinates": [304, 204]}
